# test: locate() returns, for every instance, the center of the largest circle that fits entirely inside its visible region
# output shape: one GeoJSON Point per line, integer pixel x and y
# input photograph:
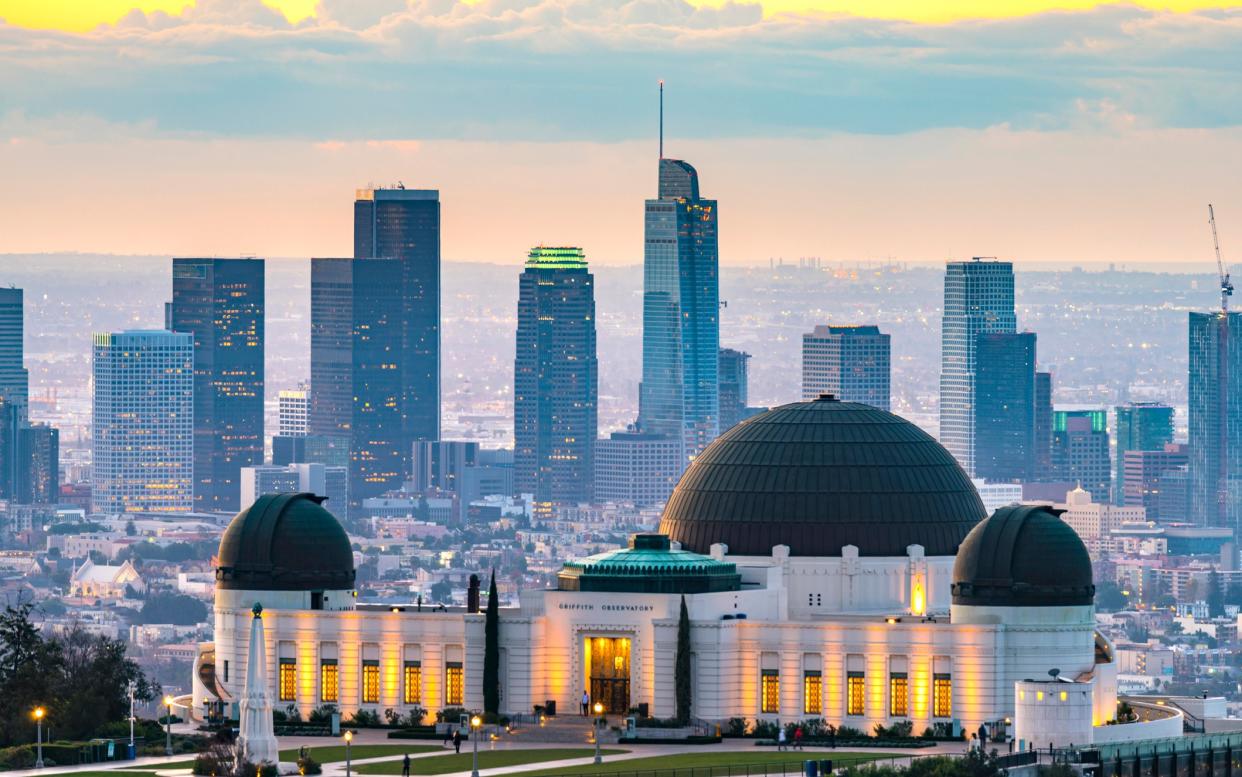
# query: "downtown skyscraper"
{"type": "Point", "coordinates": [978, 300]}
{"type": "Point", "coordinates": [1140, 426]}
{"type": "Point", "coordinates": [143, 422]}
{"type": "Point", "coordinates": [556, 378]}
{"type": "Point", "coordinates": [853, 363]}
{"type": "Point", "coordinates": [679, 396]}
{"type": "Point", "coordinates": [221, 304]}
{"type": "Point", "coordinates": [14, 380]}
{"type": "Point", "coordinates": [404, 224]}
{"type": "Point", "coordinates": [1004, 407]}
{"type": "Point", "coordinates": [1215, 419]}
{"type": "Point", "coordinates": [357, 340]}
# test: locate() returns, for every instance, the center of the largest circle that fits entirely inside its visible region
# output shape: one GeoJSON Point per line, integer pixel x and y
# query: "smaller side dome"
{"type": "Point", "coordinates": [285, 542]}
{"type": "Point", "coordinates": [1023, 556]}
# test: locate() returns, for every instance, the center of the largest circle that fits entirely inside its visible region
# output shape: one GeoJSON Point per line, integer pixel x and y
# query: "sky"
{"type": "Point", "coordinates": [851, 130]}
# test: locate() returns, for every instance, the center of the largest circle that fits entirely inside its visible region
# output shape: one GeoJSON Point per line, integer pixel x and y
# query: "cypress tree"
{"type": "Point", "coordinates": [681, 665]}
{"type": "Point", "coordinates": [491, 651]}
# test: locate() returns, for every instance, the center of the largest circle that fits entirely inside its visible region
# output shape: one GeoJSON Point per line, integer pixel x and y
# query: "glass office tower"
{"type": "Point", "coordinates": [679, 396]}
{"type": "Point", "coordinates": [1215, 419]}
{"type": "Point", "coordinates": [556, 378]}
{"type": "Point", "coordinates": [220, 303]}
{"type": "Point", "coordinates": [978, 299]}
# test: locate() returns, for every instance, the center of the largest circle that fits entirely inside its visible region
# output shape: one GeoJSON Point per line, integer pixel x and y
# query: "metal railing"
{"type": "Point", "coordinates": [836, 761]}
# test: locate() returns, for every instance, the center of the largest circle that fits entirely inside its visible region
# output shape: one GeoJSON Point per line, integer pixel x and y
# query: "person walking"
{"type": "Point", "coordinates": [797, 740]}
{"type": "Point", "coordinates": [405, 766]}
{"type": "Point", "coordinates": [780, 738]}
{"type": "Point", "coordinates": [457, 741]}
{"type": "Point", "coordinates": [586, 703]}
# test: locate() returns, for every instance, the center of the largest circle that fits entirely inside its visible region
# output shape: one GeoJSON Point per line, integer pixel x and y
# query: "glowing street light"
{"type": "Point", "coordinates": [39, 712]}
{"type": "Point", "coordinates": [475, 723]}
{"type": "Point", "coordinates": [349, 737]}
{"type": "Point", "coordinates": [168, 705]}
{"type": "Point", "coordinates": [599, 717]}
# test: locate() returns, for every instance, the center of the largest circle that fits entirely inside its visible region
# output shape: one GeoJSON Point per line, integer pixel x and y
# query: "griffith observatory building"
{"type": "Point", "coordinates": [835, 560]}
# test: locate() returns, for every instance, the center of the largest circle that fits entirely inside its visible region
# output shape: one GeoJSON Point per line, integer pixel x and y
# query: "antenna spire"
{"type": "Point", "coordinates": [661, 119]}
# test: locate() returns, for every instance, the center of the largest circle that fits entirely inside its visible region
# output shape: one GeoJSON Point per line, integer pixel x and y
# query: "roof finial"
{"type": "Point", "coordinates": [661, 119]}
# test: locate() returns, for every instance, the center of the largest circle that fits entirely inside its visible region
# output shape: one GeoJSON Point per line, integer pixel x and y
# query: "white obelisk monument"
{"type": "Point", "coordinates": [256, 739]}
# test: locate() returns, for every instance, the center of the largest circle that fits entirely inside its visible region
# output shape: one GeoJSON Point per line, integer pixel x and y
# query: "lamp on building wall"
{"type": "Point", "coordinates": [918, 596]}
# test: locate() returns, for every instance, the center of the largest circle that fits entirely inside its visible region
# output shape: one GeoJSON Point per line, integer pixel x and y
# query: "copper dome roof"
{"type": "Point", "coordinates": [819, 475]}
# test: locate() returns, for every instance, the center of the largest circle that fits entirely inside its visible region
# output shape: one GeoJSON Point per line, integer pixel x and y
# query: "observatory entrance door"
{"type": "Point", "coordinates": [608, 669]}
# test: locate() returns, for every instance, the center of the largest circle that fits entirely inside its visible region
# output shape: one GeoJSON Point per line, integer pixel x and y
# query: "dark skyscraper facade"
{"type": "Point", "coordinates": [1080, 450]}
{"type": "Point", "coordinates": [1042, 460]}
{"type": "Point", "coordinates": [1140, 426]}
{"type": "Point", "coordinates": [14, 380]}
{"type": "Point", "coordinates": [356, 384]}
{"type": "Point", "coordinates": [556, 378]}
{"type": "Point", "coordinates": [37, 478]}
{"type": "Point", "coordinates": [1156, 480]}
{"type": "Point", "coordinates": [978, 299]}
{"type": "Point", "coordinates": [220, 303]}
{"type": "Point", "coordinates": [734, 386]}
{"type": "Point", "coordinates": [853, 363]}
{"type": "Point", "coordinates": [1215, 419]}
{"type": "Point", "coordinates": [1004, 407]}
{"type": "Point", "coordinates": [404, 224]}
{"type": "Point", "coordinates": [679, 396]}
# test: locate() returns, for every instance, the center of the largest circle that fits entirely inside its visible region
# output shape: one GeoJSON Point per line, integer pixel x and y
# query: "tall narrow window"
{"type": "Point", "coordinates": [329, 687]}
{"type": "Point", "coordinates": [288, 679]}
{"type": "Point", "coordinates": [771, 701]}
{"type": "Point", "coordinates": [812, 692]}
{"type": "Point", "coordinates": [370, 682]}
{"type": "Point", "coordinates": [854, 693]}
{"type": "Point", "coordinates": [942, 695]}
{"type": "Point", "coordinates": [454, 683]}
{"type": "Point", "coordinates": [898, 695]}
{"type": "Point", "coordinates": [413, 683]}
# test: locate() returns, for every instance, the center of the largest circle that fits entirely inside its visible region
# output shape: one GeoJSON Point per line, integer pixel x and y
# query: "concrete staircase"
{"type": "Point", "coordinates": [570, 729]}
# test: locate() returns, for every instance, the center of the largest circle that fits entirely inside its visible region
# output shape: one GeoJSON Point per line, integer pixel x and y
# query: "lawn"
{"type": "Point", "coordinates": [324, 754]}
{"type": "Point", "coordinates": [488, 759]}
{"type": "Point", "coordinates": [739, 760]}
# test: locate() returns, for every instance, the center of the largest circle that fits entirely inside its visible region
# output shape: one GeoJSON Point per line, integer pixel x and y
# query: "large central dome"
{"type": "Point", "coordinates": [820, 475]}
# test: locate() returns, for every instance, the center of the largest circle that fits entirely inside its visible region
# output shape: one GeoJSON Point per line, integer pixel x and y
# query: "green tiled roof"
{"type": "Point", "coordinates": [649, 565]}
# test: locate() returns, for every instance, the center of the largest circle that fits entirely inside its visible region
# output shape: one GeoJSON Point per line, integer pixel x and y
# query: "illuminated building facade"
{"type": "Point", "coordinates": [556, 378]}
{"type": "Point", "coordinates": [220, 303]}
{"type": "Point", "coordinates": [978, 299]}
{"type": "Point", "coordinates": [143, 422]}
{"type": "Point", "coordinates": [356, 380]}
{"type": "Point", "coordinates": [850, 362]}
{"type": "Point", "coordinates": [834, 559]}
{"type": "Point", "coordinates": [680, 393]}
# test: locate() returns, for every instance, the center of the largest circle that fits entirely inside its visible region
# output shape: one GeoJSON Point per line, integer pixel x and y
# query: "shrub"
{"type": "Point", "coordinates": [365, 719]}
{"type": "Point", "coordinates": [322, 715]}
{"type": "Point", "coordinates": [849, 732]}
{"type": "Point", "coordinates": [451, 714]}
{"type": "Point", "coordinates": [268, 769]}
{"type": "Point", "coordinates": [765, 729]}
{"type": "Point", "coordinates": [736, 727]}
{"type": "Point", "coordinates": [216, 761]}
{"type": "Point", "coordinates": [414, 717]}
{"type": "Point", "coordinates": [902, 729]}
{"type": "Point", "coordinates": [21, 757]}
{"type": "Point", "coordinates": [308, 765]}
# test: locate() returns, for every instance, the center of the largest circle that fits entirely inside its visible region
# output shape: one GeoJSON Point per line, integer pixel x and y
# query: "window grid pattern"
{"type": "Point", "coordinates": [413, 682]}
{"type": "Point", "coordinates": [942, 696]}
{"type": "Point", "coordinates": [854, 693]}
{"type": "Point", "coordinates": [812, 692]}
{"type": "Point", "coordinates": [899, 694]}
{"type": "Point", "coordinates": [329, 685]}
{"type": "Point", "coordinates": [288, 679]}
{"type": "Point", "coordinates": [771, 701]}
{"type": "Point", "coordinates": [370, 682]}
{"type": "Point", "coordinates": [454, 683]}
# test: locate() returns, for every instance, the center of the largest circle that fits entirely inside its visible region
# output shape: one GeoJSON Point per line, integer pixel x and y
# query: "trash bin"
{"type": "Point", "coordinates": [825, 767]}
{"type": "Point", "coordinates": [549, 708]}
{"type": "Point", "coordinates": [130, 751]}
{"type": "Point", "coordinates": [810, 768]}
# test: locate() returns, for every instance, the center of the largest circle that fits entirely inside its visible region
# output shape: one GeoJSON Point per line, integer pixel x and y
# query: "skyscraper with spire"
{"type": "Point", "coordinates": [680, 396]}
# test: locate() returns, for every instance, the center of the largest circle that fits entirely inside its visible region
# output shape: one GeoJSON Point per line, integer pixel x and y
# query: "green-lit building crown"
{"type": "Point", "coordinates": [556, 258]}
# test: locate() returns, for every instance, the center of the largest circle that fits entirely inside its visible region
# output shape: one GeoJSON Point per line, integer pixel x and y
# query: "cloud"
{"type": "Point", "coordinates": [553, 70]}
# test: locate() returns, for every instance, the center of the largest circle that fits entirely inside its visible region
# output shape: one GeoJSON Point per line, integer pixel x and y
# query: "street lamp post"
{"type": "Point", "coordinates": [168, 705]}
{"type": "Point", "coordinates": [475, 723]}
{"type": "Point", "coordinates": [349, 737]}
{"type": "Point", "coordinates": [132, 752]}
{"type": "Point", "coordinates": [38, 716]}
{"type": "Point", "coordinates": [599, 715]}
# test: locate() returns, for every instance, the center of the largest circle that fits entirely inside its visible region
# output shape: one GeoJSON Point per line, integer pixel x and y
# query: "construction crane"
{"type": "Point", "coordinates": [1226, 286]}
